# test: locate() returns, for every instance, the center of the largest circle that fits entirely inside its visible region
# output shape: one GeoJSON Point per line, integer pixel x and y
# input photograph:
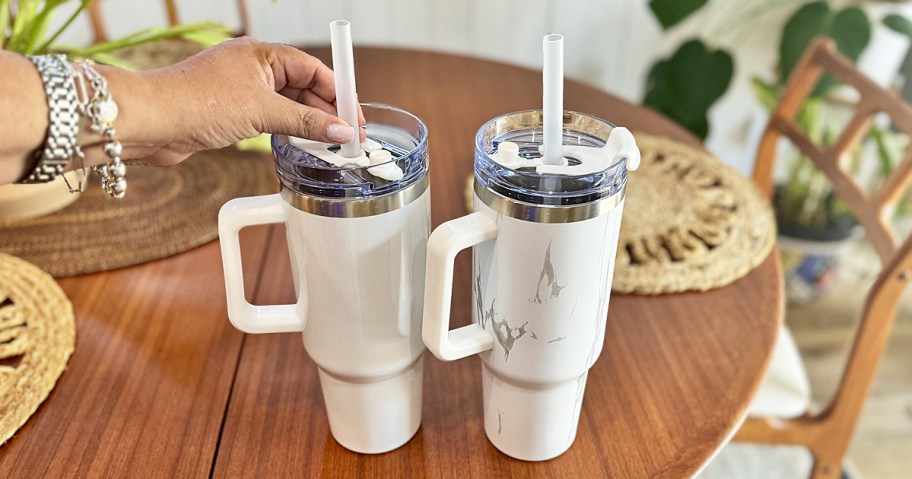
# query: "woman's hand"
{"type": "Point", "coordinates": [233, 91]}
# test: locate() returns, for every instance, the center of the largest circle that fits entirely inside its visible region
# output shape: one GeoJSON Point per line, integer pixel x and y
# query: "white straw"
{"type": "Point", "coordinates": [553, 99]}
{"type": "Point", "coordinates": [346, 94]}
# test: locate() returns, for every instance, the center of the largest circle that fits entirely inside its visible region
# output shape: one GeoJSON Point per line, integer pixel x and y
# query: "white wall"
{"type": "Point", "coordinates": [609, 43]}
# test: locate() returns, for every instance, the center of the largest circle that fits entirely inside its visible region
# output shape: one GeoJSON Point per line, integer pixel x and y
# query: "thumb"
{"type": "Point", "coordinates": [288, 117]}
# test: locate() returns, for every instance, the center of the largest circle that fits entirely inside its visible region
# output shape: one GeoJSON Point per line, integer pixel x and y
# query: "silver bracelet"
{"type": "Point", "coordinates": [63, 114]}
{"type": "Point", "coordinates": [102, 110]}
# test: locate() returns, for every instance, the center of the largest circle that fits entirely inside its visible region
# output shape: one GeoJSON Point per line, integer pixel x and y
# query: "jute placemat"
{"type": "Point", "coordinates": [37, 336]}
{"type": "Point", "coordinates": [166, 211]}
{"type": "Point", "coordinates": [690, 222]}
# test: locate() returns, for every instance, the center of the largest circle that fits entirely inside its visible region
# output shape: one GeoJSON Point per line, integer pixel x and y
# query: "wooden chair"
{"type": "Point", "coordinates": [100, 34]}
{"type": "Point", "coordinates": [827, 434]}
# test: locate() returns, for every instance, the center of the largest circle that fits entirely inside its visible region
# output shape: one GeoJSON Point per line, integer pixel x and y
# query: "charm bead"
{"type": "Point", "coordinates": [113, 148]}
{"type": "Point", "coordinates": [120, 186]}
{"type": "Point", "coordinates": [107, 111]}
{"type": "Point", "coordinates": [118, 169]}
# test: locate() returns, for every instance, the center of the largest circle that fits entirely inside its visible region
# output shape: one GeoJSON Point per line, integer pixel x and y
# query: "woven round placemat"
{"type": "Point", "coordinates": [690, 222]}
{"type": "Point", "coordinates": [37, 336]}
{"type": "Point", "coordinates": [166, 211]}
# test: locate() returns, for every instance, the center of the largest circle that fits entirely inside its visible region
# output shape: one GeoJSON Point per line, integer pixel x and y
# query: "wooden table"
{"type": "Point", "coordinates": [161, 385]}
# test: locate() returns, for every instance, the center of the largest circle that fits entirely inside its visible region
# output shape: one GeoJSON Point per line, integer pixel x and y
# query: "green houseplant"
{"type": "Point", "coordinates": [806, 206]}
{"type": "Point", "coordinates": [26, 30]}
{"type": "Point", "coordinates": [686, 84]}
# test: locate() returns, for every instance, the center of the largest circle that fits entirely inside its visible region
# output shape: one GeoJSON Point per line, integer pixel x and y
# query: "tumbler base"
{"type": "Point", "coordinates": [373, 417]}
{"type": "Point", "coordinates": [531, 424]}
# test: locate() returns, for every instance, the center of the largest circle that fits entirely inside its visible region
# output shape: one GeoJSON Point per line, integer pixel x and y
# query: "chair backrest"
{"type": "Point", "coordinates": [100, 34]}
{"type": "Point", "coordinates": [872, 210]}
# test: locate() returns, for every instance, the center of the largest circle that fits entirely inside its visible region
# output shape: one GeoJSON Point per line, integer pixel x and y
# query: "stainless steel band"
{"type": "Point", "coordinates": [355, 208]}
{"type": "Point", "coordinates": [547, 214]}
{"type": "Point", "coordinates": [63, 112]}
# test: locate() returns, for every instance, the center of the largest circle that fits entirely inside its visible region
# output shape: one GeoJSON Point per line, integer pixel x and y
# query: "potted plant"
{"type": "Point", "coordinates": [814, 224]}
{"type": "Point", "coordinates": [25, 26]}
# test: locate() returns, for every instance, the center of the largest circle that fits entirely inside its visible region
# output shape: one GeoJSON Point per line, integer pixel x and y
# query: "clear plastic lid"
{"type": "Point", "coordinates": [396, 130]}
{"type": "Point", "coordinates": [525, 184]}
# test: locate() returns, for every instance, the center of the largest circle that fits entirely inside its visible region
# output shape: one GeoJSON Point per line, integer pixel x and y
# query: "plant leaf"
{"type": "Point", "coordinates": [207, 38]}
{"type": "Point", "coordinates": [53, 38]}
{"type": "Point", "coordinates": [147, 35]}
{"type": "Point", "coordinates": [808, 22]}
{"type": "Point", "coordinates": [767, 93]}
{"type": "Point", "coordinates": [849, 27]}
{"type": "Point", "coordinates": [698, 126]}
{"type": "Point", "coordinates": [658, 93]}
{"type": "Point", "coordinates": [671, 12]}
{"type": "Point", "coordinates": [687, 84]}
{"type": "Point", "coordinates": [707, 72]}
{"type": "Point", "coordinates": [810, 119]}
{"type": "Point", "coordinates": [898, 23]}
{"type": "Point", "coordinates": [38, 28]}
{"type": "Point", "coordinates": [25, 15]}
{"type": "Point", "coordinates": [4, 21]}
{"type": "Point", "coordinates": [101, 57]}
{"type": "Point", "coordinates": [883, 152]}
{"type": "Point", "coordinates": [852, 30]}
{"type": "Point", "coordinates": [257, 143]}
{"type": "Point", "coordinates": [113, 60]}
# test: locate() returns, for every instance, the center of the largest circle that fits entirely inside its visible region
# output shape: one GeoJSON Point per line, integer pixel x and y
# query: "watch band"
{"type": "Point", "coordinates": [63, 113]}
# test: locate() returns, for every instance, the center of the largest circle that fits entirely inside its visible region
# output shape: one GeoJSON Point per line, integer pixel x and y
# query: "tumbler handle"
{"type": "Point", "coordinates": [444, 243]}
{"type": "Point", "coordinates": [235, 215]}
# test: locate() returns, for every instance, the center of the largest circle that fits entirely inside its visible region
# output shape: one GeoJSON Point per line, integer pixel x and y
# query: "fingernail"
{"type": "Point", "coordinates": [340, 133]}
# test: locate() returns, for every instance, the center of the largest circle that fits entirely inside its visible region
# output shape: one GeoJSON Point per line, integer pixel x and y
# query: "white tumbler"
{"type": "Point", "coordinates": [357, 243]}
{"type": "Point", "coordinates": [543, 256]}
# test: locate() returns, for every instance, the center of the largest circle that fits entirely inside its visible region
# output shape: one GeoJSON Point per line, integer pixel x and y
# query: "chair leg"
{"type": "Point", "coordinates": [827, 465]}
{"type": "Point", "coordinates": [821, 435]}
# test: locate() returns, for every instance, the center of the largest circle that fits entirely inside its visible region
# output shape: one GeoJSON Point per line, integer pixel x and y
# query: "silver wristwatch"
{"type": "Point", "coordinates": [63, 105]}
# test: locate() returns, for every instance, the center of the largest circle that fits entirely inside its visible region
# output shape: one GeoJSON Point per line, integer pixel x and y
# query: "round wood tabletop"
{"type": "Point", "coordinates": [161, 384]}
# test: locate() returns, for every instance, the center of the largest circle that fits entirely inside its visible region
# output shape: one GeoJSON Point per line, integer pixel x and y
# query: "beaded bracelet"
{"type": "Point", "coordinates": [102, 110]}
{"type": "Point", "coordinates": [65, 104]}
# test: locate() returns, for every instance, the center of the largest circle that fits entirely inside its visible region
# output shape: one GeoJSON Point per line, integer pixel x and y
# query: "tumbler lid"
{"type": "Point", "coordinates": [526, 182]}
{"type": "Point", "coordinates": [308, 168]}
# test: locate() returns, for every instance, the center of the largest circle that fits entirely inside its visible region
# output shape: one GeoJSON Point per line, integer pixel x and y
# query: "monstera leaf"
{"type": "Point", "coordinates": [685, 85]}
{"type": "Point", "coordinates": [898, 23]}
{"type": "Point", "coordinates": [849, 27]}
{"type": "Point", "coordinates": [670, 12]}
